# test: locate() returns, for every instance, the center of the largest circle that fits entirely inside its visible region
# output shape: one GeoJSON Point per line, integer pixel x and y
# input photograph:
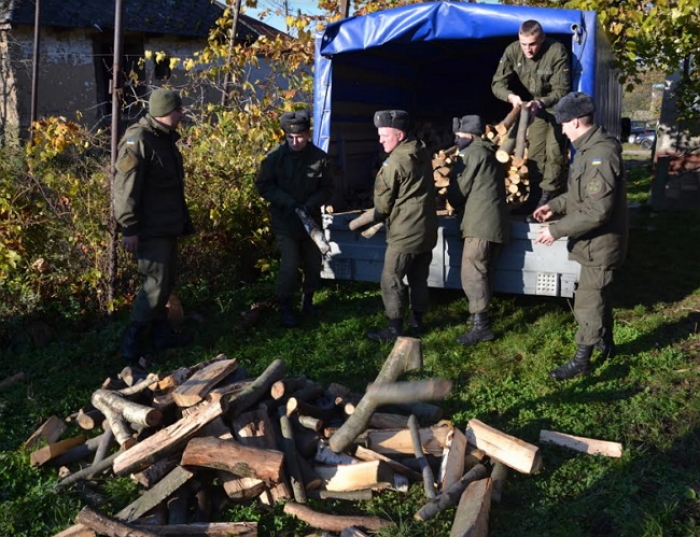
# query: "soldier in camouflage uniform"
{"type": "Point", "coordinates": [595, 219]}
{"type": "Point", "coordinates": [477, 191]}
{"type": "Point", "coordinates": [534, 72]}
{"type": "Point", "coordinates": [296, 175]}
{"type": "Point", "coordinates": [404, 199]}
{"type": "Point", "coordinates": [149, 206]}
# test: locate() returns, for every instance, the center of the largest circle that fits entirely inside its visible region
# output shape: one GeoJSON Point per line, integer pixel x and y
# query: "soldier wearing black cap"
{"type": "Point", "coordinates": [534, 72]}
{"type": "Point", "coordinates": [149, 206]}
{"type": "Point", "coordinates": [477, 190]}
{"type": "Point", "coordinates": [404, 199]}
{"type": "Point", "coordinates": [595, 220]}
{"type": "Point", "coordinates": [296, 175]}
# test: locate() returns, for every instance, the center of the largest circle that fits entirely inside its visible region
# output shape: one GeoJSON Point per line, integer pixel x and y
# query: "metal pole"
{"type": "Point", "coordinates": [344, 8]}
{"type": "Point", "coordinates": [35, 66]}
{"type": "Point", "coordinates": [116, 91]}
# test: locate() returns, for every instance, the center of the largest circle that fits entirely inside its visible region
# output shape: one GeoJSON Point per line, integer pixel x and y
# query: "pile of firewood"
{"type": "Point", "coordinates": [510, 136]}
{"type": "Point", "coordinates": [201, 437]}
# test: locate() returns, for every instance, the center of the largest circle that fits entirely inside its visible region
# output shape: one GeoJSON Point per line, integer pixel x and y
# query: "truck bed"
{"type": "Point", "coordinates": [523, 267]}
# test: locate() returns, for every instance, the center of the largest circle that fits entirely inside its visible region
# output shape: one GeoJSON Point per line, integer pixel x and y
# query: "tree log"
{"type": "Point", "coordinates": [260, 386]}
{"type": "Point", "coordinates": [499, 474]}
{"type": "Point", "coordinates": [78, 453]}
{"type": "Point", "coordinates": [387, 393]}
{"type": "Point", "coordinates": [105, 525]}
{"type": "Point", "coordinates": [88, 472]}
{"type": "Point", "coordinates": [352, 531]}
{"type": "Point", "coordinates": [77, 530]}
{"type": "Point", "coordinates": [336, 523]}
{"type": "Point", "coordinates": [233, 457]}
{"type": "Point", "coordinates": [207, 529]}
{"type": "Point", "coordinates": [453, 458]}
{"type": "Point", "coordinates": [472, 516]}
{"type": "Point", "coordinates": [372, 230]}
{"type": "Point", "coordinates": [358, 476]}
{"type": "Point", "coordinates": [106, 441]}
{"type": "Point", "coordinates": [425, 413]}
{"type": "Point", "coordinates": [167, 440]}
{"type": "Point", "coordinates": [384, 420]}
{"type": "Point", "coordinates": [194, 389]}
{"type": "Point", "coordinates": [398, 441]}
{"type": "Point", "coordinates": [505, 149]}
{"type": "Point", "coordinates": [291, 460]}
{"type": "Point", "coordinates": [451, 496]}
{"type": "Point", "coordinates": [582, 444]}
{"type": "Point", "coordinates": [287, 386]}
{"type": "Point", "coordinates": [49, 432]}
{"type": "Point", "coordinates": [426, 472]}
{"type": "Point", "coordinates": [365, 219]}
{"type": "Point", "coordinates": [105, 400]}
{"type": "Point", "coordinates": [353, 496]}
{"type": "Point", "coordinates": [365, 454]}
{"type": "Point", "coordinates": [504, 126]}
{"type": "Point", "coordinates": [45, 454]}
{"type": "Point", "coordinates": [511, 451]}
{"type": "Point", "coordinates": [155, 496]}
{"type": "Point", "coordinates": [156, 471]}
{"type": "Point", "coordinates": [521, 136]}
{"type": "Point", "coordinates": [406, 355]}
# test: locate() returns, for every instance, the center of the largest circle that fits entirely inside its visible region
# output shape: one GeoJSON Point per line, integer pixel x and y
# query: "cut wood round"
{"type": "Point", "coordinates": [512, 188]}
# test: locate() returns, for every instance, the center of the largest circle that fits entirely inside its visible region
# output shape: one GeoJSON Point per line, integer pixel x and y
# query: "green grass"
{"type": "Point", "coordinates": [647, 397]}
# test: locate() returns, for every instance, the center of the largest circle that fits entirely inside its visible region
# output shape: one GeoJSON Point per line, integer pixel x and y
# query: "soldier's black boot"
{"type": "Point", "coordinates": [580, 364]}
{"type": "Point", "coordinates": [546, 196]}
{"type": "Point", "coordinates": [164, 337]}
{"type": "Point", "coordinates": [287, 317]}
{"type": "Point", "coordinates": [415, 323]}
{"type": "Point", "coordinates": [390, 333]}
{"type": "Point", "coordinates": [606, 344]}
{"type": "Point", "coordinates": [307, 305]}
{"type": "Point", "coordinates": [131, 342]}
{"type": "Point", "coordinates": [481, 331]}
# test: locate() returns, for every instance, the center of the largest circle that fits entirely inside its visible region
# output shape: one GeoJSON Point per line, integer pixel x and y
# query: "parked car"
{"type": "Point", "coordinates": [646, 139]}
{"type": "Point", "coordinates": [637, 128]}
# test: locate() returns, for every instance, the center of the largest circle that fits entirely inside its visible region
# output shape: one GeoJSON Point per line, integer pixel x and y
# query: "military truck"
{"type": "Point", "coordinates": [436, 61]}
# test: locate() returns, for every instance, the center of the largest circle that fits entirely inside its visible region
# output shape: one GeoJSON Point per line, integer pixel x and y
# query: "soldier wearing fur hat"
{"type": "Point", "coordinates": [534, 72]}
{"type": "Point", "coordinates": [149, 206]}
{"type": "Point", "coordinates": [595, 220]}
{"type": "Point", "coordinates": [296, 175]}
{"type": "Point", "coordinates": [477, 191]}
{"type": "Point", "coordinates": [404, 199]}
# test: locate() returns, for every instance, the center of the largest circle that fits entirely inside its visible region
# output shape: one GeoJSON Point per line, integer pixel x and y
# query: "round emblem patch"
{"type": "Point", "coordinates": [594, 186]}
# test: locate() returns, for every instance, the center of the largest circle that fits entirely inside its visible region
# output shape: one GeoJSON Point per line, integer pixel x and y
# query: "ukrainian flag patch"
{"type": "Point", "coordinates": [596, 162]}
{"type": "Point", "coordinates": [130, 141]}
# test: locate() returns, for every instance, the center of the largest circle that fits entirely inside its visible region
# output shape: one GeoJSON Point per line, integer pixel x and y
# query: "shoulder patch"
{"type": "Point", "coordinates": [596, 162]}
{"type": "Point", "coordinates": [385, 163]}
{"type": "Point", "coordinates": [594, 186]}
{"type": "Point", "coordinates": [130, 141]}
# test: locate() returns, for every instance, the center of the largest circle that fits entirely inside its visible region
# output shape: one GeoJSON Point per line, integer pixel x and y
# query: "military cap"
{"type": "Point", "coordinates": [468, 125]}
{"type": "Point", "coordinates": [396, 119]}
{"type": "Point", "coordinates": [573, 105]}
{"type": "Point", "coordinates": [163, 101]}
{"type": "Point", "coordinates": [295, 122]}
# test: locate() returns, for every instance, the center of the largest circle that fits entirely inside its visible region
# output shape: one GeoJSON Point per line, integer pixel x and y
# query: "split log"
{"type": "Point", "coordinates": [233, 457]}
{"type": "Point", "coordinates": [511, 451]}
{"type": "Point", "coordinates": [243, 488]}
{"type": "Point", "coordinates": [406, 355]}
{"type": "Point", "coordinates": [45, 454]}
{"type": "Point", "coordinates": [451, 496]}
{"type": "Point", "coordinates": [50, 431]}
{"type": "Point", "coordinates": [193, 390]}
{"type": "Point", "coordinates": [105, 525]}
{"type": "Point", "coordinates": [167, 440]}
{"type": "Point", "coordinates": [521, 136]}
{"type": "Point", "coordinates": [499, 474]}
{"type": "Point", "coordinates": [156, 471]}
{"type": "Point", "coordinates": [426, 472]}
{"type": "Point", "coordinates": [254, 392]}
{"type": "Point", "coordinates": [372, 230]}
{"type": "Point", "coordinates": [365, 219]}
{"type": "Point", "coordinates": [291, 460]}
{"type": "Point", "coordinates": [76, 530]}
{"type": "Point", "coordinates": [365, 454]}
{"type": "Point", "coordinates": [452, 467]}
{"type": "Point", "coordinates": [155, 496]}
{"type": "Point", "coordinates": [582, 444]}
{"type": "Point", "coordinates": [472, 516]}
{"type": "Point", "coordinates": [358, 476]}
{"type": "Point", "coordinates": [9, 381]}
{"type": "Point", "coordinates": [398, 441]}
{"type": "Point", "coordinates": [336, 523]}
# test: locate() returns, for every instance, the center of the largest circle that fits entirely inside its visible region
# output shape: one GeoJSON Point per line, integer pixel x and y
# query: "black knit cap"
{"type": "Point", "coordinates": [396, 119]}
{"type": "Point", "coordinates": [468, 124]}
{"type": "Point", "coordinates": [295, 122]}
{"type": "Point", "coordinates": [573, 105]}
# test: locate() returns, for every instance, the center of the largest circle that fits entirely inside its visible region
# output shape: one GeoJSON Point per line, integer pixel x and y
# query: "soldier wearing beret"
{"type": "Point", "coordinates": [404, 199]}
{"type": "Point", "coordinates": [594, 219]}
{"type": "Point", "coordinates": [149, 206]}
{"type": "Point", "coordinates": [296, 175]}
{"type": "Point", "coordinates": [534, 72]}
{"type": "Point", "coordinates": [477, 191]}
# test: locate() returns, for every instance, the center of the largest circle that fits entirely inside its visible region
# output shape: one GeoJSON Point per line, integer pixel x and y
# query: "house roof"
{"type": "Point", "coordinates": [186, 18]}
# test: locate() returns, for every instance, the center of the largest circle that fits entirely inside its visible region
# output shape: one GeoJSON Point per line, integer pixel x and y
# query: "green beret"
{"type": "Point", "coordinates": [396, 119]}
{"type": "Point", "coordinates": [468, 125]}
{"type": "Point", "coordinates": [573, 105]}
{"type": "Point", "coordinates": [295, 122]}
{"type": "Point", "coordinates": [163, 102]}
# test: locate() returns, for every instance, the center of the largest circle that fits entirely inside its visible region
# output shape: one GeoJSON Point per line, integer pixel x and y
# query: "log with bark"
{"type": "Point", "coordinates": [426, 471]}
{"type": "Point", "coordinates": [335, 523]}
{"type": "Point", "coordinates": [451, 496]}
{"type": "Point", "coordinates": [156, 495]}
{"type": "Point", "coordinates": [195, 388]}
{"type": "Point", "coordinates": [398, 441]}
{"type": "Point", "coordinates": [472, 516]}
{"type": "Point", "coordinates": [453, 459]}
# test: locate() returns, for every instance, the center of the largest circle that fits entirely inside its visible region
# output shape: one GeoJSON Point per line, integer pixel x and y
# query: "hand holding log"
{"type": "Point", "coordinates": [365, 219]}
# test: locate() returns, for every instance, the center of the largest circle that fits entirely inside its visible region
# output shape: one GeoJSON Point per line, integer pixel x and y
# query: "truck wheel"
{"type": "Point", "coordinates": [646, 144]}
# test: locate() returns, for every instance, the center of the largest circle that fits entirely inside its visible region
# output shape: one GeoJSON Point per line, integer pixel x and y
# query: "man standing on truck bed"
{"type": "Point", "coordinates": [296, 175]}
{"type": "Point", "coordinates": [404, 199]}
{"type": "Point", "coordinates": [534, 72]}
{"type": "Point", "coordinates": [594, 218]}
{"type": "Point", "coordinates": [476, 190]}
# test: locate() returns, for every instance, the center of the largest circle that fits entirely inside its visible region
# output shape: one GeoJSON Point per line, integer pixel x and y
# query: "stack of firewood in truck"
{"type": "Point", "coordinates": [204, 436]}
{"type": "Point", "coordinates": [510, 137]}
